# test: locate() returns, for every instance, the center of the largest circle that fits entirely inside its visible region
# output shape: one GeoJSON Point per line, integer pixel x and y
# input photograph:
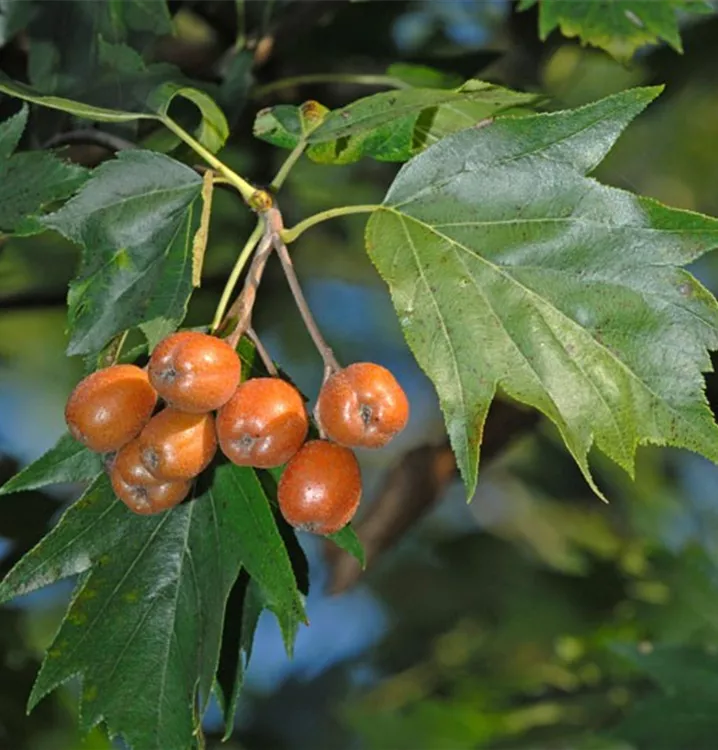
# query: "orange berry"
{"type": "Point", "coordinates": [362, 406]}
{"type": "Point", "coordinates": [110, 407]}
{"type": "Point", "coordinates": [263, 425]}
{"type": "Point", "coordinates": [194, 372]}
{"type": "Point", "coordinates": [320, 489]}
{"type": "Point", "coordinates": [138, 489]}
{"type": "Point", "coordinates": [176, 445]}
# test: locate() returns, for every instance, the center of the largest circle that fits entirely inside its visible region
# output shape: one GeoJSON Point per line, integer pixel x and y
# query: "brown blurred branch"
{"type": "Point", "coordinates": [415, 485]}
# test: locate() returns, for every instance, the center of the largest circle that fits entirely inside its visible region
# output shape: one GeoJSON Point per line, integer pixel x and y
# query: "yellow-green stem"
{"type": "Point", "coordinates": [286, 167]}
{"type": "Point", "coordinates": [242, 259]}
{"type": "Point", "coordinates": [291, 234]}
{"type": "Point", "coordinates": [246, 190]}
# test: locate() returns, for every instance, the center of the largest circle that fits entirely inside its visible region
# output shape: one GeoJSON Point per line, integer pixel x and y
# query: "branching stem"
{"type": "Point", "coordinates": [330, 362]}
{"type": "Point", "coordinates": [241, 309]}
{"type": "Point", "coordinates": [246, 190]}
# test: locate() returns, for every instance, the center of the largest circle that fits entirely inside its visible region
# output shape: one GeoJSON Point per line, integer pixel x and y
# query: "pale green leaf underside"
{"type": "Point", "coordinates": [511, 269]}
{"type": "Point", "coordinates": [618, 26]}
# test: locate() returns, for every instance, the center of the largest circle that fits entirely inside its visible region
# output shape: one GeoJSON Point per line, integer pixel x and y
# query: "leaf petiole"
{"type": "Point", "coordinates": [245, 189]}
{"type": "Point", "coordinates": [291, 234]}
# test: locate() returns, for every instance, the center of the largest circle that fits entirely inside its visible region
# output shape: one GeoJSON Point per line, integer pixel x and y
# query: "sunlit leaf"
{"type": "Point", "coordinates": [511, 269]}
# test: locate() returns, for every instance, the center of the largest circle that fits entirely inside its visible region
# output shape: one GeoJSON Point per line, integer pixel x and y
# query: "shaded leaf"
{"type": "Point", "coordinates": [30, 180]}
{"type": "Point", "coordinates": [618, 26]}
{"type": "Point", "coordinates": [14, 16]}
{"type": "Point", "coordinates": [150, 606]}
{"type": "Point", "coordinates": [264, 554]}
{"type": "Point", "coordinates": [137, 94]}
{"type": "Point", "coordinates": [683, 713]}
{"type": "Point", "coordinates": [392, 125]}
{"type": "Point", "coordinates": [86, 531]}
{"type": "Point", "coordinates": [135, 218]}
{"type": "Point", "coordinates": [347, 539]}
{"type": "Point", "coordinates": [510, 269]}
{"type": "Point", "coordinates": [234, 660]}
{"type": "Point", "coordinates": [67, 461]}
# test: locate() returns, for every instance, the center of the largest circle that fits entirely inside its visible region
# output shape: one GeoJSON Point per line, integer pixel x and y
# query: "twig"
{"type": "Point", "coordinates": [267, 361]}
{"type": "Point", "coordinates": [329, 78]}
{"type": "Point", "coordinates": [330, 362]}
{"type": "Point", "coordinates": [242, 307]}
{"type": "Point", "coordinates": [92, 137]}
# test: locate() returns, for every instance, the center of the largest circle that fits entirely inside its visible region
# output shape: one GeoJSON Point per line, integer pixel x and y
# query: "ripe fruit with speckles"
{"type": "Point", "coordinates": [263, 425]}
{"type": "Point", "coordinates": [320, 489]}
{"type": "Point", "coordinates": [176, 445]}
{"type": "Point", "coordinates": [138, 489]}
{"type": "Point", "coordinates": [109, 407]}
{"type": "Point", "coordinates": [362, 406]}
{"type": "Point", "coordinates": [194, 372]}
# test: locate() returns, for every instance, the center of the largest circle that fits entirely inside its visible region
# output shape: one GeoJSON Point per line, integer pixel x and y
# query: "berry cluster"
{"type": "Point", "coordinates": [261, 422]}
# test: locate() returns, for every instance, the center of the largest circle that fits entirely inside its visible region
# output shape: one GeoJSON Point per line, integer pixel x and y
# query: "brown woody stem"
{"type": "Point", "coordinates": [267, 361]}
{"type": "Point", "coordinates": [242, 307]}
{"type": "Point", "coordinates": [330, 362]}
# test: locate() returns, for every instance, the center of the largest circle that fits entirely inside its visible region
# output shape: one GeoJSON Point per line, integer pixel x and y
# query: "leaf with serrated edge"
{"type": "Point", "coordinates": [67, 461]}
{"type": "Point", "coordinates": [253, 604]}
{"type": "Point", "coordinates": [392, 125]}
{"type": "Point", "coordinates": [511, 269]}
{"type": "Point", "coordinates": [395, 125]}
{"type": "Point", "coordinates": [30, 180]}
{"type": "Point", "coordinates": [150, 606]}
{"type": "Point", "coordinates": [264, 555]}
{"type": "Point", "coordinates": [136, 218]}
{"type": "Point", "coordinates": [86, 531]}
{"type": "Point", "coordinates": [618, 26]}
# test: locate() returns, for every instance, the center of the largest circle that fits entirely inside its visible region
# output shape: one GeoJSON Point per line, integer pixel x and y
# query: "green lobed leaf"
{"type": "Point", "coordinates": [392, 125]}
{"type": "Point", "coordinates": [67, 461]}
{"type": "Point", "coordinates": [348, 540]}
{"type": "Point", "coordinates": [618, 26]}
{"type": "Point", "coordinates": [30, 180]}
{"type": "Point", "coordinates": [135, 218]}
{"type": "Point", "coordinates": [510, 269]}
{"type": "Point", "coordinates": [147, 616]}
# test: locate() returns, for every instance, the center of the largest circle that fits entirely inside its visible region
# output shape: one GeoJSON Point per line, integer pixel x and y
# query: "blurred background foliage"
{"type": "Point", "coordinates": [535, 617]}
